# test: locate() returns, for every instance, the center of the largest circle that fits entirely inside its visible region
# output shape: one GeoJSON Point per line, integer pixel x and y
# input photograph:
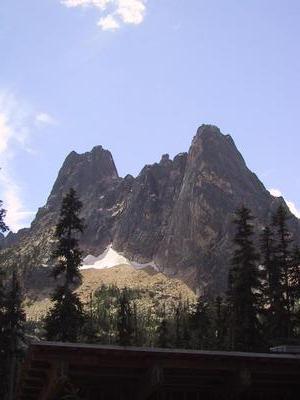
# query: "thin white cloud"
{"type": "Point", "coordinates": [17, 216]}
{"type": "Point", "coordinates": [292, 206]}
{"type": "Point", "coordinates": [45, 119]}
{"type": "Point", "coordinates": [5, 133]}
{"type": "Point", "coordinates": [17, 121]}
{"type": "Point", "coordinates": [275, 192]}
{"type": "Point", "coordinates": [108, 23]}
{"type": "Point", "coordinates": [113, 13]}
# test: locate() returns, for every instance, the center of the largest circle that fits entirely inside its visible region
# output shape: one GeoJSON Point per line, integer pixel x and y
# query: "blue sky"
{"type": "Point", "coordinates": [139, 77]}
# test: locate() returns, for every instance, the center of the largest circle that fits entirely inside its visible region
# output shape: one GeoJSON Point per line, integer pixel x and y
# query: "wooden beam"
{"type": "Point", "coordinates": [56, 379]}
{"type": "Point", "coordinates": [151, 381]}
{"type": "Point", "coordinates": [147, 371]}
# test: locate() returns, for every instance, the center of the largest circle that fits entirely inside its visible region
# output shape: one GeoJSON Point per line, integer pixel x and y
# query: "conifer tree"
{"type": "Point", "coordinates": [182, 339]}
{"type": "Point", "coordinates": [64, 320]}
{"type": "Point", "coordinates": [163, 336]}
{"type": "Point", "coordinates": [3, 226]}
{"type": "Point", "coordinates": [90, 328]}
{"type": "Point", "coordinates": [282, 264]}
{"type": "Point", "coordinates": [201, 325]}
{"type": "Point", "coordinates": [244, 285]}
{"type": "Point", "coordinates": [67, 254]}
{"type": "Point", "coordinates": [273, 309]}
{"type": "Point", "coordinates": [3, 339]}
{"type": "Point", "coordinates": [15, 331]}
{"type": "Point", "coordinates": [138, 326]}
{"type": "Point", "coordinates": [295, 277]}
{"type": "Point", "coordinates": [295, 290]}
{"type": "Point", "coordinates": [125, 323]}
{"type": "Point", "coordinates": [3, 336]}
{"type": "Point", "coordinates": [163, 339]}
{"type": "Point", "coordinates": [219, 324]}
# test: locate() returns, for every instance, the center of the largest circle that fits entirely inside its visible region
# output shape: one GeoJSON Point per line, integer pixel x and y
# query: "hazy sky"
{"type": "Point", "coordinates": [139, 77]}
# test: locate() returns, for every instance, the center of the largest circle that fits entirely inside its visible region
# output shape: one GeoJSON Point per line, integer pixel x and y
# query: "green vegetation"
{"type": "Point", "coordinates": [12, 327]}
{"type": "Point", "coordinates": [65, 319]}
{"type": "Point", "coordinates": [120, 316]}
{"type": "Point", "coordinates": [261, 307]}
{"type": "Point", "coordinates": [243, 297]}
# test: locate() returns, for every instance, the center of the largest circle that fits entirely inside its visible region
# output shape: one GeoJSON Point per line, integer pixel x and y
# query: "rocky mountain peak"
{"type": "Point", "coordinates": [206, 130]}
{"type": "Point", "coordinates": [215, 152]}
{"type": "Point", "coordinates": [84, 172]}
{"type": "Point", "coordinates": [207, 134]}
{"type": "Point", "coordinates": [165, 159]}
{"type": "Point", "coordinates": [177, 213]}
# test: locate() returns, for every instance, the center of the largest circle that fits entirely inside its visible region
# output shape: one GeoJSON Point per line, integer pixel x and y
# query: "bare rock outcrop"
{"type": "Point", "coordinates": [177, 213]}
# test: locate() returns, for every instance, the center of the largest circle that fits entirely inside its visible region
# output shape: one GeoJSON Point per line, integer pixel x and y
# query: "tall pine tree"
{"type": "Point", "coordinates": [15, 332]}
{"type": "Point", "coordinates": [67, 254]}
{"type": "Point", "coordinates": [3, 336]}
{"type": "Point", "coordinates": [163, 335]}
{"type": "Point", "coordinates": [283, 264]}
{"type": "Point", "coordinates": [243, 286]}
{"type": "Point", "coordinates": [219, 324]}
{"type": "Point", "coordinates": [295, 290]}
{"type": "Point", "coordinates": [64, 320]}
{"type": "Point", "coordinates": [201, 325]}
{"type": "Point", "coordinates": [162, 330]}
{"type": "Point", "coordinates": [273, 307]}
{"type": "Point", "coordinates": [125, 322]}
{"type": "Point", "coordinates": [3, 226]}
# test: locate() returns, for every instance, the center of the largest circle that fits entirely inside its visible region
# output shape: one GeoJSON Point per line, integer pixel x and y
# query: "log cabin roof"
{"type": "Point", "coordinates": [110, 372]}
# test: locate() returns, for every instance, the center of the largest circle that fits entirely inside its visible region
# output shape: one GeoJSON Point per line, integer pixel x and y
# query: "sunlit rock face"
{"type": "Point", "coordinates": [198, 240]}
{"type": "Point", "coordinates": [176, 213]}
{"type": "Point", "coordinates": [149, 207]}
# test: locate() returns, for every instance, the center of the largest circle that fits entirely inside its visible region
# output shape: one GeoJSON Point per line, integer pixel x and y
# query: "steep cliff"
{"type": "Point", "coordinates": [198, 240]}
{"type": "Point", "coordinates": [176, 213]}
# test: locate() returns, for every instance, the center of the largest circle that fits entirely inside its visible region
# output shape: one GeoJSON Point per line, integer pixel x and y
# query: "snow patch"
{"type": "Point", "coordinates": [108, 259]}
{"type": "Point", "coordinates": [111, 258]}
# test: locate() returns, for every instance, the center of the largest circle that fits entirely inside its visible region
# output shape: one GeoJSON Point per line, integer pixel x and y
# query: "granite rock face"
{"type": "Point", "coordinates": [198, 240]}
{"type": "Point", "coordinates": [177, 213]}
{"type": "Point", "coordinates": [148, 208]}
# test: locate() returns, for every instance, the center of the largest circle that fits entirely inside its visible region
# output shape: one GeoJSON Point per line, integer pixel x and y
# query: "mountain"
{"type": "Point", "coordinates": [176, 214]}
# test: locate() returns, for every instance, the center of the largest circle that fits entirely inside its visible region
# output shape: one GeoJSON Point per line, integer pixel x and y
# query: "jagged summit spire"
{"type": "Point", "coordinates": [216, 148]}
{"type": "Point", "coordinates": [208, 129]}
{"type": "Point", "coordinates": [98, 158]}
{"type": "Point", "coordinates": [84, 172]}
{"type": "Point", "coordinates": [207, 132]}
{"type": "Point", "coordinates": [98, 148]}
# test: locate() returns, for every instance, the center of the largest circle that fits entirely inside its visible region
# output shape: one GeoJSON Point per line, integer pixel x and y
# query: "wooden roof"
{"type": "Point", "coordinates": [110, 372]}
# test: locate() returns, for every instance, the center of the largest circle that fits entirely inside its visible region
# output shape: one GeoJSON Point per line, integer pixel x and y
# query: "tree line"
{"type": "Point", "coordinates": [12, 327]}
{"type": "Point", "coordinates": [260, 309]}
{"type": "Point", "coordinates": [263, 285]}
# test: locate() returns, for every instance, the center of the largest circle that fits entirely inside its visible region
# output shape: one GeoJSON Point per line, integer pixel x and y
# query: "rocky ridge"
{"type": "Point", "coordinates": [176, 213]}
